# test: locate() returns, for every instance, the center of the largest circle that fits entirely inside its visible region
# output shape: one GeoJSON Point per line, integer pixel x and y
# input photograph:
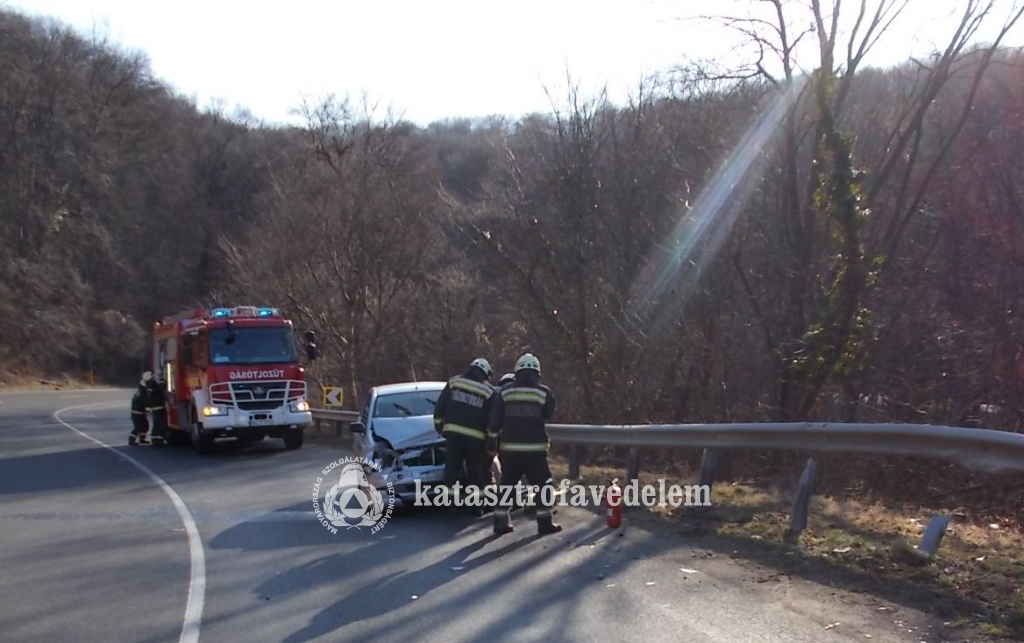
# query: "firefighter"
{"type": "Point", "coordinates": [158, 409]}
{"type": "Point", "coordinates": [461, 415]}
{"type": "Point", "coordinates": [140, 423]}
{"type": "Point", "coordinates": [517, 429]}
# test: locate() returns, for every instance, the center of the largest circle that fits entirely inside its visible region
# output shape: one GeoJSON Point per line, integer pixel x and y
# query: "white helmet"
{"type": "Point", "coordinates": [148, 375]}
{"type": "Point", "coordinates": [507, 377]}
{"type": "Point", "coordinates": [528, 362]}
{"type": "Point", "coordinates": [483, 365]}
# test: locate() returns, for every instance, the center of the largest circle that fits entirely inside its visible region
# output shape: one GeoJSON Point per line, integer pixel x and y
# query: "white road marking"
{"type": "Point", "coordinates": [197, 558]}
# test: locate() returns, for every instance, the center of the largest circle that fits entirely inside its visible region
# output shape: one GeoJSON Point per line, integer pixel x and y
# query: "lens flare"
{"type": "Point", "coordinates": [675, 265]}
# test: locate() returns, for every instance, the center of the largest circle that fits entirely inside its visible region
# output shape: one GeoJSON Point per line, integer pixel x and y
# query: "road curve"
{"type": "Point", "coordinates": [95, 549]}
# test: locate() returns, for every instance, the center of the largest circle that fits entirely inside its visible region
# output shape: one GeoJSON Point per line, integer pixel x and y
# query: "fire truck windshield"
{"type": "Point", "coordinates": [253, 346]}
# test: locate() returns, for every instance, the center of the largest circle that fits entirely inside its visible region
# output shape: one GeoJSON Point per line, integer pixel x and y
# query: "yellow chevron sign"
{"type": "Point", "coordinates": [334, 397]}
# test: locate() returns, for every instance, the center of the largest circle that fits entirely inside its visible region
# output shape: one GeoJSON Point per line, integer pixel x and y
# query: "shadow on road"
{"type": "Point", "coordinates": [89, 466]}
{"type": "Point", "coordinates": [413, 556]}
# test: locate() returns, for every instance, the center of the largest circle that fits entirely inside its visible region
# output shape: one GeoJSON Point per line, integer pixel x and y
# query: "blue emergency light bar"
{"type": "Point", "coordinates": [243, 311]}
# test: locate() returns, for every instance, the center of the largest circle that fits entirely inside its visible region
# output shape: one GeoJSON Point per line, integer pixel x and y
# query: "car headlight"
{"type": "Point", "coordinates": [214, 410]}
{"type": "Point", "coordinates": [300, 407]}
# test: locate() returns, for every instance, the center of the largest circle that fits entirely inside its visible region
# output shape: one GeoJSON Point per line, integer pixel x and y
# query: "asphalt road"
{"type": "Point", "coordinates": [93, 547]}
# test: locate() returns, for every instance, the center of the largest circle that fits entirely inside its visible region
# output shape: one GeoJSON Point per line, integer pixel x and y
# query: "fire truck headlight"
{"type": "Point", "coordinates": [300, 407]}
{"type": "Point", "coordinates": [214, 410]}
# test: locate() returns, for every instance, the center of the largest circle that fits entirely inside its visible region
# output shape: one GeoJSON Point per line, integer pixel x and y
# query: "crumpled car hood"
{"type": "Point", "coordinates": [407, 432]}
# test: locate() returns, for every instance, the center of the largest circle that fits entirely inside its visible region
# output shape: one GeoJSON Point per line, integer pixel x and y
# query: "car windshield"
{"type": "Point", "coordinates": [253, 346]}
{"type": "Point", "coordinates": [412, 403]}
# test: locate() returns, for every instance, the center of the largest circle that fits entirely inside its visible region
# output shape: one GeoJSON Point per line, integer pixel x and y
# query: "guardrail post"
{"type": "Point", "coordinates": [798, 519]}
{"type": "Point", "coordinates": [574, 462]}
{"type": "Point", "coordinates": [633, 465]}
{"type": "Point", "coordinates": [933, 534]}
{"type": "Point", "coordinates": [708, 462]}
{"type": "Point", "coordinates": [318, 425]}
{"type": "Point", "coordinates": [338, 425]}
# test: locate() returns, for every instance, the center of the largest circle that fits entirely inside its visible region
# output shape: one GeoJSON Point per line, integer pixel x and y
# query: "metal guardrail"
{"type": "Point", "coordinates": [983, 450]}
{"type": "Point", "coordinates": [337, 418]}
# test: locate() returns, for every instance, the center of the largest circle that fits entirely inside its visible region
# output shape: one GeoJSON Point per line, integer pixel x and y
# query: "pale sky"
{"type": "Point", "coordinates": [429, 59]}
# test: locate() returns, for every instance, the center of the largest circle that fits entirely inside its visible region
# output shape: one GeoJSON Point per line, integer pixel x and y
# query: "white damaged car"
{"type": "Point", "coordinates": [396, 432]}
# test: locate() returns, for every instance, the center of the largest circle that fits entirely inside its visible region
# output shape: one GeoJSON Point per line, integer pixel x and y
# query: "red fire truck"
{"type": "Point", "coordinates": [233, 372]}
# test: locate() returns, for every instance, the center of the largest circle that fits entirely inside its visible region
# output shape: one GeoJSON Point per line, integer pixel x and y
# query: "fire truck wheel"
{"type": "Point", "coordinates": [293, 439]}
{"type": "Point", "coordinates": [201, 442]}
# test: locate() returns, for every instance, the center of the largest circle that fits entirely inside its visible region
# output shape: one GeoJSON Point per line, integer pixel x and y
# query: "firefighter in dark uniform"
{"type": "Point", "coordinates": [158, 409]}
{"type": "Point", "coordinates": [517, 427]}
{"type": "Point", "coordinates": [140, 402]}
{"type": "Point", "coordinates": [461, 416]}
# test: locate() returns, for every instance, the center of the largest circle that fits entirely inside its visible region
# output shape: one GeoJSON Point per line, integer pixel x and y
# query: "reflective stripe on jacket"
{"type": "Point", "coordinates": [464, 407]}
{"type": "Point", "coordinates": [519, 417]}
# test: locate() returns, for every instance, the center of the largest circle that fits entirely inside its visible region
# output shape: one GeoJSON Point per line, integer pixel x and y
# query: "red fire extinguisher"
{"type": "Point", "coordinates": [613, 504]}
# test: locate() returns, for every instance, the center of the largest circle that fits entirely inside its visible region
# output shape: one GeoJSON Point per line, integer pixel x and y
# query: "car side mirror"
{"type": "Point", "coordinates": [357, 427]}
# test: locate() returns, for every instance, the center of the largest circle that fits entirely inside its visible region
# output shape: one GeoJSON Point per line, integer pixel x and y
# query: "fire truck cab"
{"type": "Point", "coordinates": [232, 372]}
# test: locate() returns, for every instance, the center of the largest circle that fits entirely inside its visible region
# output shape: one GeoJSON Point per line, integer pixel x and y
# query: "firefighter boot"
{"type": "Point", "coordinates": [131, 440]}
{"type": "Point", "coordinates": [546, 525]}
{"type": "Point", "coordinates": [502, 523]}
{"type": "Point", "coordinates": [142, 439]}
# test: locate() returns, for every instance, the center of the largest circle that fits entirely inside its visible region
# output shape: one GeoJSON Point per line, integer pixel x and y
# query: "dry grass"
{"type": "Point", "coordinates": [976, 578]}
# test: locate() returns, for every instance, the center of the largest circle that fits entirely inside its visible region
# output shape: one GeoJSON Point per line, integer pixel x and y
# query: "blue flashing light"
{"type": "Point", "coordinates": [221, 312]}
{"type": "Point", "coordinates": [265, 312]}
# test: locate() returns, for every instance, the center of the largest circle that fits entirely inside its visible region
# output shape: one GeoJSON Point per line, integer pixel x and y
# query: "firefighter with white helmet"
{"type": "Point", "coordinates": [461, 416]}
{"type": "Point", "coordinates": [518, 428]}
